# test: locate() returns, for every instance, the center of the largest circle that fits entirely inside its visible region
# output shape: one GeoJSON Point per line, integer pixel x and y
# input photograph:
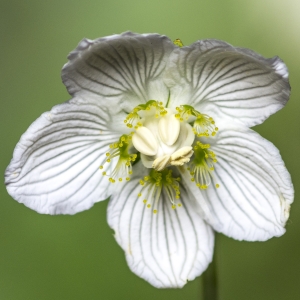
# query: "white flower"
{"type": "Point", "coordinates": [163, 130]}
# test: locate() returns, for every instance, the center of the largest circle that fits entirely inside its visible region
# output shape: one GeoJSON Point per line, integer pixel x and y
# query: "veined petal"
{"type": "Point", "coordinates": [227, 82]}
{"type": "Point", "coordinates": [255, 189]}
{"type": "Point", "coordinates": [126, 68]}
{"type": "Point", "coordinates": [55, 166]}
{"type": "Point", "coordinates": [167, 248]}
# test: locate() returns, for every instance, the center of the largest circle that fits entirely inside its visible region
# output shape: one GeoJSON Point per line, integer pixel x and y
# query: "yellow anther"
{"type": "Point", "coordinates": [155, 211]}
{"type": "Point", "coordinates": [217, 185]}
{"type": "Point", "coordinates": [148, 205]}
{"type": "Point", "coordinates": [178, 43]}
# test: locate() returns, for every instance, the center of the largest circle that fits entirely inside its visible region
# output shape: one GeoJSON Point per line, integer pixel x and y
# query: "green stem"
{"type": "Point", "coordinates": [210, 282]}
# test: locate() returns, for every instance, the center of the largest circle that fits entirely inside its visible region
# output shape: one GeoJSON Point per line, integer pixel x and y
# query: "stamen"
{"type": "Point", "coordinates": [123, 167]}
{"type": "Point", "coordinates": [133, 118]}
{"type": "Point", "coordinates": [181, 156]}
{"type": "Point", "coordinates": [202, 165]}
{"type": "Point", "coordinates": [157, 182]}
{"type": "Point", "coordinates": [178, 158]}
{"type": "Point", "coordinates": [204, 125]}
{"type": "Point", "coordinates": [169, 129]}
{"type": "Point", "coordinates": [144, 141]}
{"type": "Point", "coordinates": [161, 162]}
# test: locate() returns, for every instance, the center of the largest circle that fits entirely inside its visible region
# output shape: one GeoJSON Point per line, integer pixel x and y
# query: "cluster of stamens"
{"type": "Point", "coordinates": [177, 133]}
{"type": "Point", "coordinates": [202, 165]}
{"type": "Point", "coordinates": [133, 118]}
{"type": "Point", "coordinates": [155, 183]}
{"type": "Point", "coordinates": [204, 125]}
{"type": "Point", "coordinates": [120, 150]}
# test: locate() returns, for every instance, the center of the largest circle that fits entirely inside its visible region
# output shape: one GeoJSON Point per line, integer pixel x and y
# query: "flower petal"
{"type": "Point", "coordinates": [168, 248]}
{"type": "Point", "coordinates": [227, 82]}
{"type": "Point", "coordinates": [255, 193]}
{"type": "Point", "coordinates": [55, 166]}
{"type": "Point", "coordinates": [125, 67]}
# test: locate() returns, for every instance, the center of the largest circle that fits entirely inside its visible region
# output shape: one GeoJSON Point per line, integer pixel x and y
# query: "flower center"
{"type": "Point", "coordinates": [164, 140]}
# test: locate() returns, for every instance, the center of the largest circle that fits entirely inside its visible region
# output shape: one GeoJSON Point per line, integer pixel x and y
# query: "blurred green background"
{"type": "Point", "coordinates": [76, 257]}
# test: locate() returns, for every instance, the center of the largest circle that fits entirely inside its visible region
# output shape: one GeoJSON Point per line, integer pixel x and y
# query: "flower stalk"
{"type": "Point", "coordinates": [210, 281]}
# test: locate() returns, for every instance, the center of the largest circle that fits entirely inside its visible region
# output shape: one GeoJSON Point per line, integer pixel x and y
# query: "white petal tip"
{"type": "Point", "coordinates": [280, 68]}
{"type": "Point", "coordinates": [285, 207]}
